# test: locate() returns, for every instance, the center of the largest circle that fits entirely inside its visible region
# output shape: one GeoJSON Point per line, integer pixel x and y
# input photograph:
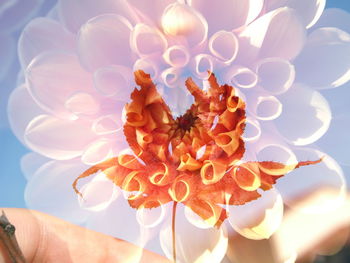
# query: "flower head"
{"type": "Point", "coordinates": [271, 56]}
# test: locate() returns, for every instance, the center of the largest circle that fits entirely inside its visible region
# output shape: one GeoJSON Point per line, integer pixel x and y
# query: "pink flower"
{"type": "Point", "coordinates": [79, 64]}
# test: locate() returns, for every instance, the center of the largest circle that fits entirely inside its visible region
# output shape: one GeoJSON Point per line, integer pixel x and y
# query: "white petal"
{"type": "Point", "coordinates": [224, 45]}
{"type": "Point", "coordinates": [336, 141]}
{"type": "Point", "coordinates": [309, 11]}
{"type": "Point", "coordinates": [40, 35]}
{"type": "Point", "coordinates": [147, 65]}
{"type": "Point", "coordinates": [104, 41]}
{"type": "Point", "coordinates": [30, 163]}
{"type": "Point", "coordinates": [7, 54]}
{"type": "Point", "coordinates": [325, 175]}
{"type": "Point", "coordinates": [54, 77]}
{"type": "Point", "coordinates": [118, 220]}
{"type": "Point", "coordinates": [58, 139]}
{"type": "Point", "coordinates": [267, 108]}
{"type": "Point", "coordinates": [334, 17]}
{"type": "Point", "coordinates": [98, 193]}
{"type": "Point", "coordinates": [275, 75]}
{"type": "Point", "coordinates": [306, 115]}
{"type": "Point", "coordinates": [201, 64]}
{"type": "Point", "coordinates": [150, 12]}
{"type": "Point", "coordinates": [14, 14]}
{"type": "Point", "coordinates": [98, 151]}
{"type": "Point", "coordinates": [76, 13]}
{"type": "Point", "coordinates": [108, 124]}
{"type": "Point", "coordinates": [201, 245]}
{"type": "Point", "coordinates": [228, 14]}
{"type": "Point", "coordinates": [21, 110]}
{"type": "Point", "coordinates": [147, 40]}
{"type": "Point", "coordinates": [260, 218]}
{"type": "Point", "coordinates": [279, 33]}
{"type": "Point", "coordinates": [325, 60]}
{"type": "Point", "coordinates": [239, 76]}
{"type": "Point", "coordinates": [114, 81]}
{"type": "Point", "coordinates": [183, 21]}
{"type": "Point", "coordinates": [177, 56]}
{"type": "Point", "coordinates": [50, 190]}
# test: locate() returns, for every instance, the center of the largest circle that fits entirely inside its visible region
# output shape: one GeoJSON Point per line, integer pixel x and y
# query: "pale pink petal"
{"type": "Point", "coordinates": [58, 139]}
{"type": "Point", "coordinates": [50, 190]}
{"type": "Point", "coordinates": [147, 65]}
{"type": "Point", "coordinates": [82, 104]}
{"type": "Point", "coordinates": [334, 17]}
{"type": "Point", "coordinates": [31, 162]}
{"type": "Point", "coordinates": [21, 110]}
{"type": "Point", "coordinates": [279, 33]}
{"type": "Point", "coordinates": [228, 14]}
{"type": "Point", "coordinates": [177, 56]}
{"type": "Point", "coordinates": [108, 124]}
{"type": "Point", "coordinates": [75, 13]}
{"type": "Point", "coordinates": [14, 14]}
{"type": "Point", "coordinates": [306, 115]}
{"type": "Point", "coordinates": [147, 40]}
{"type": "Point", "coordinates": [186, 23]}
{"type": "Point", "coordinates": [275, 75]}
{"type": "Point", "coordinates": [325, 60]}
{"type": "Point", "coordinates": [201, 245]}
{"type": "Point", "coordinates": [7, 54]}
{"type": "Point", "coordinates": [40, 35]}
{"type": "Point", "coordinates": [151, 13]}
{"type": "Point", "coordinates": [103, 149]}
{"type": "Point", "coordinates": [309, 11]}
{"type": "Point", "coordinates": [104, 41]}
{"type": "Point", "coordinates": [115, 82]}
{"type": "Point", "coordinates": [258, 219]}
{"type": "Point", "coordinates": [240, 77]}
{"type": "Point", "coordinates": [224, 45]}
{"type": "Point", "coordinates": [118, 220]}
{"type": "Point", "coordinates": [54, 77]}
{"type": "Point", "coordinates": [326, 175]}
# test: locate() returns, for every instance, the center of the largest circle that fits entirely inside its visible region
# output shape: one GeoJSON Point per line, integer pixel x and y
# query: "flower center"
{"type": "Point", "coordinates": [186, 121]}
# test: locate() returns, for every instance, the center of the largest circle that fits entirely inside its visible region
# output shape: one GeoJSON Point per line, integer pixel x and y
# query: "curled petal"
{"type": "Point", "coordinates": [201, 65]}
{"type": "Point", "coordinates": [275, 75]}
{"type": "Point", "coordinates": [129, 161]}
{"type": "Point", "coordinates": [268, 108]}
{"type": "Point", "coordinates": [267, 36]}
{"type": "Point", "coordinates": [171, 77]}
{"type": "Point", "coordinates": [104, 41]}
{"type": "Point", "coordinates": [182, 20]}
{"type": "Point", "coordinates": [146, 40]}
{"type": "Point", "coordinates": [58, 139]}
{"type": "Point", "coordinates": [212, 171]}
{"type": "Point", "coordinates": [150, 218]}
{"type": "Point", "coordinates": [187, 162]}
{"type": "Point", "coordinates": [177, 56]}
{"type": "Point", "coordinates": [228, 141]}
{"type": "Point", "coordinates": [134, 182]}
{"type": "Point", "coordinates": [161, 176]}
{"type": "Point", "coordinates": [107, 124]}
{"type": "Point", "coordinates": [326, 57]}
{"type": "Point", "coordinates": [247, 176]}
{"type": "Point", "coordinates": [252, 130]}
{"type": "Point", "coordinates": [240, 77]}
{"type": "Point", "coordinates": [224, 45]}
{"type": "Point", "coordinates": [181, 188]}
{"type": "Point", "coordinates": [147, 65]}
{"type": "Point", "coordinates": [228, 14]}
{"type": "Point", "coordinates": [43, 34]}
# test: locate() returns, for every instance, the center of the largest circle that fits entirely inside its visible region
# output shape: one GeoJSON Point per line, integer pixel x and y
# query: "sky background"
{"type": "Point", "coordinates": [12, 182]}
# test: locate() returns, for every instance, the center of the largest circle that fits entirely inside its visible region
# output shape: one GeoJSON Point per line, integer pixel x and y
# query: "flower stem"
{"type": "Point", "coordinates": [173, 230]}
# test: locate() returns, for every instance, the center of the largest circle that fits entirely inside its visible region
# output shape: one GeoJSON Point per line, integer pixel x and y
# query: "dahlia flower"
{"type": "Point", "coordinates": [82, 106]}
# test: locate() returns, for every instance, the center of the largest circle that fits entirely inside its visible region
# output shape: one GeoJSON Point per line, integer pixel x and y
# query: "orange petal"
{"type": "Point", "coordinates": [187, 162]}
{"type": "Point", "coordinates": [247, 176]}
{"type": "Point", "coordinates": [228, 141]}
{"type": "Point", "coordinates": [212, 171]}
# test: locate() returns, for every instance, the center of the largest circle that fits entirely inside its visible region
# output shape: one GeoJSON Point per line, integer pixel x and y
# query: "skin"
{"type": "Point", "coordinates": [44, 238]}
